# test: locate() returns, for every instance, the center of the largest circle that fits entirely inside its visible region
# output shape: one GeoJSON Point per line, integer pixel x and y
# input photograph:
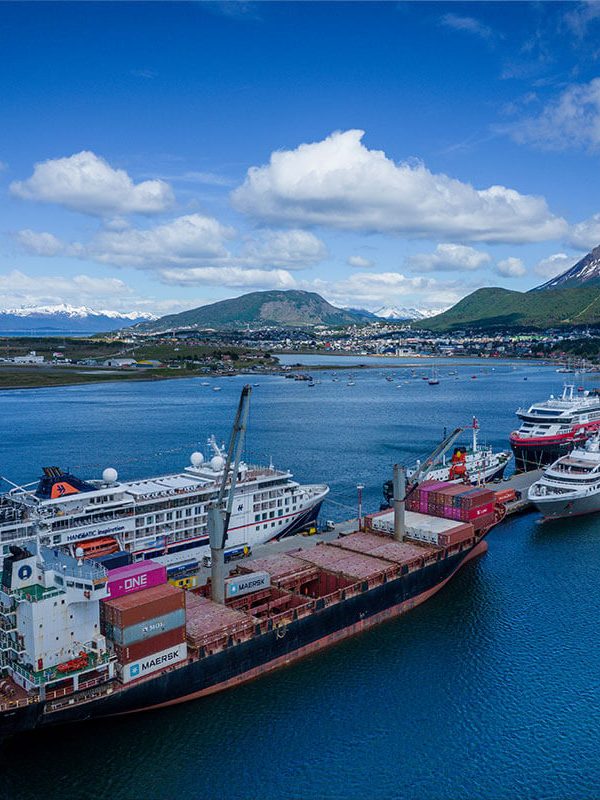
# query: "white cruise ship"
{"type": "Point", "coordinates": [570, 486]}
{"type": "Point", "coordinates": [163, 518]}
{"type": "Point", "coordinates": [554, 427]}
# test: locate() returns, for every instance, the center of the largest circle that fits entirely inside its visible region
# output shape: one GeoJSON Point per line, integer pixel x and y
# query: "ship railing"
{"type": "Point", "coordinates": [9, 705]}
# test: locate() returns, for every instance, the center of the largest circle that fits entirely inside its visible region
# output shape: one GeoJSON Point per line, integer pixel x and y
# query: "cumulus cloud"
{"type": "Point", "coordinates": [467, 24]}
{"type": "Point", "coordinates": [40, 244]}
{"type": "Point", "coordinates": [86, 183]}
{"type": "Point", "coordinates": [237, 277]}
{"type": "Point", "coordinates": [374, 289]}
{"type": "Point", "coordinates": [292, 249]}
{"type": "Point", "coordinates": [340, 183]}
{"type": "Point", "coordinates": [448, 257]}
{"type": "Point", "coordinates": [554, 265]}
{"type": "Point", "coordinates": [571, 120]}
{"type": "Point", "coordinates": [19, 289]}
{"type": "Point", "coordinates": [359, 262]}
{"type": "Point", "coordinates": [511, 268]}
{"type": "Point", "coordinates": [586, 234]}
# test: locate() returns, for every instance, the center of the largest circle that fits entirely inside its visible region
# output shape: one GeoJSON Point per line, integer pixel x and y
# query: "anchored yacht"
{"type": "Point", "coordinates": [570, 486]}
{"type": "Point", "coordinates": [163, 518]}
{"type": "Point", "coordinates": [553, 428]}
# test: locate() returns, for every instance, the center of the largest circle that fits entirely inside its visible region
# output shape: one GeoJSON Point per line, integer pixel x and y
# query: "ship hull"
{"type": "Point", "coordinates": [250, 659]}
{"type": "Point", "coordinates": [537, 454]}
{"type": "Point", "coordinates": [559, 507]}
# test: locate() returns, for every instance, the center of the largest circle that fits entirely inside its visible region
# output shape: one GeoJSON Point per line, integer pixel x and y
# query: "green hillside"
{"type": "Point", "coordinates": [502, 308]}
{"type": "Point", "coordinates": [287, 309]}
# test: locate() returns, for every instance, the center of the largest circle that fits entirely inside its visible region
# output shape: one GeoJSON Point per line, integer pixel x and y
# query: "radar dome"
{"type": "Point", "coordinates": [217, 463]}
{"type": "Point", "coordinates": [79, 552]}
{"type": "Point", "coordinates": [110, 475]}
{"type": "Point", "coordinates": [197, 459]}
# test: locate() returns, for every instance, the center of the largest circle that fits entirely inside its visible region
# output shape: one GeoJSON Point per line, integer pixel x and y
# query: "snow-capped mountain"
{"type": "Point", "coordinates": [402, 312]}
{"type": "Point", "coordinates": [585, 271]}
{"type": "Point", "coordinates": [65, 319]}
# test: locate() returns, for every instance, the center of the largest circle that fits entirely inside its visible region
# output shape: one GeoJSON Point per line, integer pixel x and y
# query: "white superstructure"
{"type": "Point", "coordinates": [571, 485]}
{"type": "Point", "coordinates": [162, 517]}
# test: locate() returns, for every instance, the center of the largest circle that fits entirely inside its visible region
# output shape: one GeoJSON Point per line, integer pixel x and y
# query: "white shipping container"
{"type": "Point", "coordinates": [153, 663]}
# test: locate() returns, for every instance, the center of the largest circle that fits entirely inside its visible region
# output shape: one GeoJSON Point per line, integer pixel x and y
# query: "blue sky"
{"type": "Point", "coordinates": [157, 156]}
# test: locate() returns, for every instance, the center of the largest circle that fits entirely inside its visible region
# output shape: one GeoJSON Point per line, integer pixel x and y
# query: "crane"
{"type": "Point", "coordinates": [400, 493]}
{"type": "Point", "coordinates": [219, 511]}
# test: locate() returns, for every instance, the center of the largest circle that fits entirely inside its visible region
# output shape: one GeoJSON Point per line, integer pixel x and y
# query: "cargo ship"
{"type": "Point", "coordinates": [162, 518]}
{"type": "Point", "coordinates": [551, 429]}
{"type": "Point", "coordinates": [80, 642]}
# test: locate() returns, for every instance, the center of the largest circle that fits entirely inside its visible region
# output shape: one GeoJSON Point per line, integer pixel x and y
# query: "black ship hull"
{"type": "Point", "coordinates": [540, 454]}
{"type": "Point", "coordinates": [244, 661]}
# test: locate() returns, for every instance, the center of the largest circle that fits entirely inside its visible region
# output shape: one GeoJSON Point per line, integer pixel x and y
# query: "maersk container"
{"type": "Point", "coordinates": [154, 663]}
{"type": "Point", "coordinates": [132, 652]}
{"type": "Point", "coordinates": [146, 630]}
{"type": "Point", "coordinates": [130, 609]}
{"type": "Point", "coordinates": [135, 578]}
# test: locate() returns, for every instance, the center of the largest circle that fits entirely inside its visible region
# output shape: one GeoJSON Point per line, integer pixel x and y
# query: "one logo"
{"type": "Point", "coordinates": [24, 572]}
{"type": "Point", "coordinates": [62, 488]}
{"type": "Point", "coordinates": [135, 670]}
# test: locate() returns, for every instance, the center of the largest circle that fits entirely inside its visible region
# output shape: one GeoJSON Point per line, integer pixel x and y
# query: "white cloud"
{"type": "Point", "coordinates": [467, 24]}
{"type": "Point", "coordinates": [183, 241]}
{"type": "Point", "coordinates": [359, 262]}
{"type": "Point", "coordinates": [87, 183]}
{"type": "Point", "coordinates": [554, 265]}
{"type": "Point", "coordinates": [581, 16]}
{"type": "Point", "coordinates": [374, 289]}
{"type": "Point", "coordinates": [586, 234]}
{"type": "Point", "coordinates": [18, 289]}
{"type": "Point", "coordinates": [448, 257]}
{"type": "Point", "coordinates": [511, 268]}
{"type": "Point", "coordinates": [230, 276]}
{"type": "Point", "coordinates": [340, 183]}
{"type": "Point", "coordinates": [572, 120]}
{"type": "Point", "coordinates": [40, 244]}
{"type": "Point", "coordinates": [292, 249]}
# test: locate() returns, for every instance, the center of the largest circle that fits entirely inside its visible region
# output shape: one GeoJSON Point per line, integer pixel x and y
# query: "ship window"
{"type": "Point", "coordinates": [271, 514]}
{"type": "Point", "coordinates": [79, 585]}
{"type": "Point", "coordinates": [256, 517]}
{"type": "Point", "coordinates": [264, 516]}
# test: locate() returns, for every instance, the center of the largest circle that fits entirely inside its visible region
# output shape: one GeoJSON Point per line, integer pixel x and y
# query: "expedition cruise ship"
{"type": "Point", "coordinates": [163, 518]}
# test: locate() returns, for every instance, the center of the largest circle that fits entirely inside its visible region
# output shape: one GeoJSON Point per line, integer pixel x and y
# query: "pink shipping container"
{"type": "Point", "coordinates": [135, 577]}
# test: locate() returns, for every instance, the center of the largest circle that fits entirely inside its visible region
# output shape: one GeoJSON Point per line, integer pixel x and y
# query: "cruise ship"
{"type": "Point", "coordinates": [162, 518]}
{"type": "Point", "coordinates": [553, 428]}
{"type": "Point", "coordinates": [570, 486]}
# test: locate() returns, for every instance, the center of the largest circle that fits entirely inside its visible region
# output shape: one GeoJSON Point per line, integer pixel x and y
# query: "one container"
{"type": "Point", "coordinates": [146, 630]}
{"type": "Point", "coordinates": [135, 578]}
{"type": "Point", "coordinates": [142, 606]}
{"type": "Point", "coordinates": [132, 652]}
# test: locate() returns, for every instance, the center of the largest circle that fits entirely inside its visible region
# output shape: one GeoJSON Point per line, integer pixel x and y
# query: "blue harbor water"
{"type": "Point", "coordinates": [490, 689]}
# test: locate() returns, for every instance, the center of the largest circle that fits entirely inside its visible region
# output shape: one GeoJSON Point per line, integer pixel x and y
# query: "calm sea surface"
{"type": "Point", "coordinates": [489, 690]}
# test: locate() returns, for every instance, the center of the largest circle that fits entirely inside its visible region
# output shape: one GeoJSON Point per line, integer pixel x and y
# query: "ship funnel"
{"type": "Point", "coordinates": [399, 501]}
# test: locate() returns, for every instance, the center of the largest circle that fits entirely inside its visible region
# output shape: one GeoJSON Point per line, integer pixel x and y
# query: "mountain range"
{"type": "Point", "coordinates": [66, 319]}
{"type": "Point", "coordinates": [569, 299]}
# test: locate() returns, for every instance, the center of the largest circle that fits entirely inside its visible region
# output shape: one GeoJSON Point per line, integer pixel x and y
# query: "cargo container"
{"type": "Point", "coordinates": [142, 606]}
{"type": "Point", "coordinates": [145, 630]}
{"type": "Point", "coordinates": [114, 560]}
{"type": "Point", "coordinates": [505, 495]}
{"type": "Point", "coordinates": [157, 661]}
{"type": "Point", "coordinates": [128, 653]}
{"type": "Point", "coordinates": [135, 578]}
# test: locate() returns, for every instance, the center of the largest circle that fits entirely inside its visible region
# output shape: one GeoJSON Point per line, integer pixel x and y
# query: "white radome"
{"type": "Point", "coordinates": [217, 463]}
{"type": "Point", "coordinates": [110, 475]}
{"type": "Point", "coordinates": [196, 459]}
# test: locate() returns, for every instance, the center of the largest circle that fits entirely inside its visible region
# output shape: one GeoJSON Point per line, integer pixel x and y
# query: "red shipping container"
{"type": "Point", "coordinates": [127, 654]}
{"type": "Point", "coordinates": [479, 511]}
{"type": "Point", "coordinates": [141, 606]}
{"type": "Point", "coordinates": [505, 495]}
{"type": "Point", "coordinates": [484, 522]}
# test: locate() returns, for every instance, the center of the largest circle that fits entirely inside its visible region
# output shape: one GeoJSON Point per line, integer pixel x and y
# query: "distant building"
{"type": "Point", "coordinates": [120, 362]}
{"type": "Point", "coordinates": [31, 358]}
{"type": "Point", "coordinates": [149, 363]}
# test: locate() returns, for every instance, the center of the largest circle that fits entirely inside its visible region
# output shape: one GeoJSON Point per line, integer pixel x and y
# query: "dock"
{"type": "Point", "coordinates": [520, 482]}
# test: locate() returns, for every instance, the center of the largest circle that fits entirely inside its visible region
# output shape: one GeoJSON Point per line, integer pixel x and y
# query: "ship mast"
{"type": "Point", "coordinates": [219, 512]}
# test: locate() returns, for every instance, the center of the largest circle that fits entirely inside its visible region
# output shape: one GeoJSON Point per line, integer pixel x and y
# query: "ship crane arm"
{"type": "Point", "coordinates": [434, 457]}
{"type": "Point", "coordinates": [219, 511]}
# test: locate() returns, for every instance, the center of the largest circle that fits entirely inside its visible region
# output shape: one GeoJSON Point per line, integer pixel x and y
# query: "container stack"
{"type": "Point", "coordinates": [144, 620]}
{"type": "Point", "coordinates": [454, 501]}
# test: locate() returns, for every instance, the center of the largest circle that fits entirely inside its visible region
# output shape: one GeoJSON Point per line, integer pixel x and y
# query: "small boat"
{"type": "Point", "coordinates": [433, 379]}
{"type": "Point", "coordinates": [216, 388]}
{"type": "Point", "coordinates": [351, 383]}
